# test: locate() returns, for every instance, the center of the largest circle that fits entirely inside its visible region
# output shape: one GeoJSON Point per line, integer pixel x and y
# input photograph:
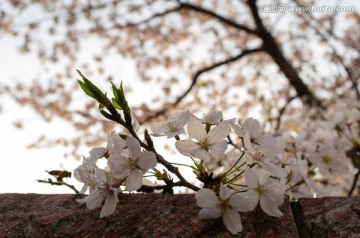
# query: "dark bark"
{"type": "Point", "coordinates": [271, 47]}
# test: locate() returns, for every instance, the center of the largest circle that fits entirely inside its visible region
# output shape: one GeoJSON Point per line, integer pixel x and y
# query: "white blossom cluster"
{"type": "Point", "coordinates": [327, 150]}
{"type": "Point", "coordinates": [244, 165]}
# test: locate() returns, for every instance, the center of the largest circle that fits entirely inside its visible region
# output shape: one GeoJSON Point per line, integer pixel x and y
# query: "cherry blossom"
{"type": "Point", "coordinates": [266, 190]}
{"type": "Point", "coordinates": [227, 204]}
{"type": "Point", "coordinates": [103, 191]}
{"type": "Point", "coordinates": [205, 144]}
{"type": "Point", "coordinates": [132, 166]}
{"type": "Point", "coordinates": [173, 126]}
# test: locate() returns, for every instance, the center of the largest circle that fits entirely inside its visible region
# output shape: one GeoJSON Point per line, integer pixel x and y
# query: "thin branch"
{"type": "Point", "coordinates": [115, 116]}
{"type": "Point", "coordinates": [160, 14]}
{"type": "Point", "coordinates": [196, 77]}
{"type": "Point", "coordinates": [222, 19]}
{"type": "Point", "coordinates": [325, 38]}
{"type": "Point", "coordinates": [273, 49]}
{"type": "Point", "coordinates": [281, 112]}
{"type": "Point", "coordinates": [353, 186]}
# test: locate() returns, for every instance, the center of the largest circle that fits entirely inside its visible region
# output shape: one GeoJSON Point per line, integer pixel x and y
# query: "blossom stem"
{"type": "Point", "coordinates": [115, 116]}
{"type": "Point", "coordinates": [181, 165]}
{"type": "Point", "coordinates": [295, 185]}
{"type": "Point", "coordinates": [234, 178]}
{"type": "Point", "coordinates": [238, 160]}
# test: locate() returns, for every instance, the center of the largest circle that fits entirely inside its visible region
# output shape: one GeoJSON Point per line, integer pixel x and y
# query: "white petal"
{"type": "Point", "coordinates": [97, 153]}
{"type": "Point", "coordinates": [147, 160]}
{"type": "Point", "coordinates": [266, 140]}
{"type": "Point", "coordinates": [158, 128]}
{"type": "Point", "coordinates": [225, 192]}
{"type": "Point", "coordinates": [182, 119]}
{"type": "Point", "coordinates": [109, 206]}
{"type": "Point", "coordinates": [134, 147]}
{"type": "Point", "coordinates": [218, 149]}
{"type": "Point", "coordinates": [185, 146]}
{"type": "Point", "coordinates": [94, 200]}
{"type": "Point", "coordinates": [116, 164]}
{"type": "Point", "coordinates": [241, 203]}
{"type": "Point", "coordinates": [210, 213]}
{"type": "Point", "coordinates": [250, 178]}
{"type": "Point", "coordinates": [195, 128]}
{"type": "Point", "coordinates": [252, 198]}
{"type": "Point", "coordinates": [232, 221]}
{"type": "Point", "coordinates": [253, 126]}
{"type": "Point", "coordinates": [102, 175]}
{"type": "Point", "coordinates": [213, 117]}
{"type": "Point", "coordinates": [134, 180]}
{"type": "Point", "coordinates": [248, 144]}
{"type": "Point", "coordinates": [219, 132]}
{"type": "Point", "coordinates": [269, 206]}
{"type": "Point", "coordinates": [206, 198]}
{"type": "Point", "coordinates": [200, 154]}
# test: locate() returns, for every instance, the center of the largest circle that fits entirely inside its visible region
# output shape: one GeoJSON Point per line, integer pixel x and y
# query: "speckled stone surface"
{"type": "Point", "coordinates": [328, 217]}
{"type": "Point", "coordinates": [137, 215]}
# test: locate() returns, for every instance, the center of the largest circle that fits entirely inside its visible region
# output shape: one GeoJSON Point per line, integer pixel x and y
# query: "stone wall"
{"type": "Point", "coordinates": [156, 215]}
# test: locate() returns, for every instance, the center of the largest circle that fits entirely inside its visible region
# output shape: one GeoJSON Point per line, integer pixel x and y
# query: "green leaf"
{"type": "Point", "coordinates": [86, 89]}
{"type": "Point", "coordinates": [90, 88]}
{"type": "Point", "coordinates": [115, 104]}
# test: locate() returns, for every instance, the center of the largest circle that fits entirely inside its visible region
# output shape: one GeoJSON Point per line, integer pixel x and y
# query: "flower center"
{"type": "Point", "coordinates": [203, 142]}
{"type": "Point", "coordinates": [223, 205]}
{"type": "Point", "coordinates": [260, 154]}
{"type": "Point", "coordinates": [130, 164]}
{"type": "Point", "coordinates": [170, 125]}
{"type": "Point", "coordinates": [105, 191]}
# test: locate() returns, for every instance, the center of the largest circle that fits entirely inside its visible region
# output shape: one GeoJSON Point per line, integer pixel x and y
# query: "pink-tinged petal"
{"type": "Point", "coordinates": [134, 180]}
{"type": "Point", "coordinates": [218, 149]}
{"type": "Point", "coordinates": [251, 179]}
{"type": "Point", "coordinates": [134, 148]}
{"type": "Point", "coordinates": [206, 198]}
{"type": "Point", "coordinates": [210, 213]}
{"type": "Point", "coordinates": [200, 154]}
{"type": "Point", "coordinates": [269, 206]}
{"type": "Point", "coordinates": [232, 221]}
{"type": "Point", "coordinates": [225, 192]}
{"type": "Point", "coordinates": [147, 160]}
{"type": "Point", "coordinates": [185, 146]}
{"type": "Point", "coordinates": [241, 203]}
{"type": "Point", "coordinates": [219, 132]}
{"type": "Point", "coordinates": [195, 128]}
{"type": "Point", "coordinates": [110, 205]}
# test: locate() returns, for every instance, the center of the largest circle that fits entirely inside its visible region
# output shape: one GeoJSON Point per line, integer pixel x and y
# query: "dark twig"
{"type": "Point", "coordinates": [222, 19]}
{"type": "Point", "coordinates": [160, 14]}
{"type": "Point", "coordinates": [353, 186]}
{"type": "Point", "coordinates": [196, 77]}
{"type": "Point", "coordinates": [115, 116]}
{"type": "Point", "coordinates": [282, 111]}
{"type": "Point", "coordinates": [49, 181]}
